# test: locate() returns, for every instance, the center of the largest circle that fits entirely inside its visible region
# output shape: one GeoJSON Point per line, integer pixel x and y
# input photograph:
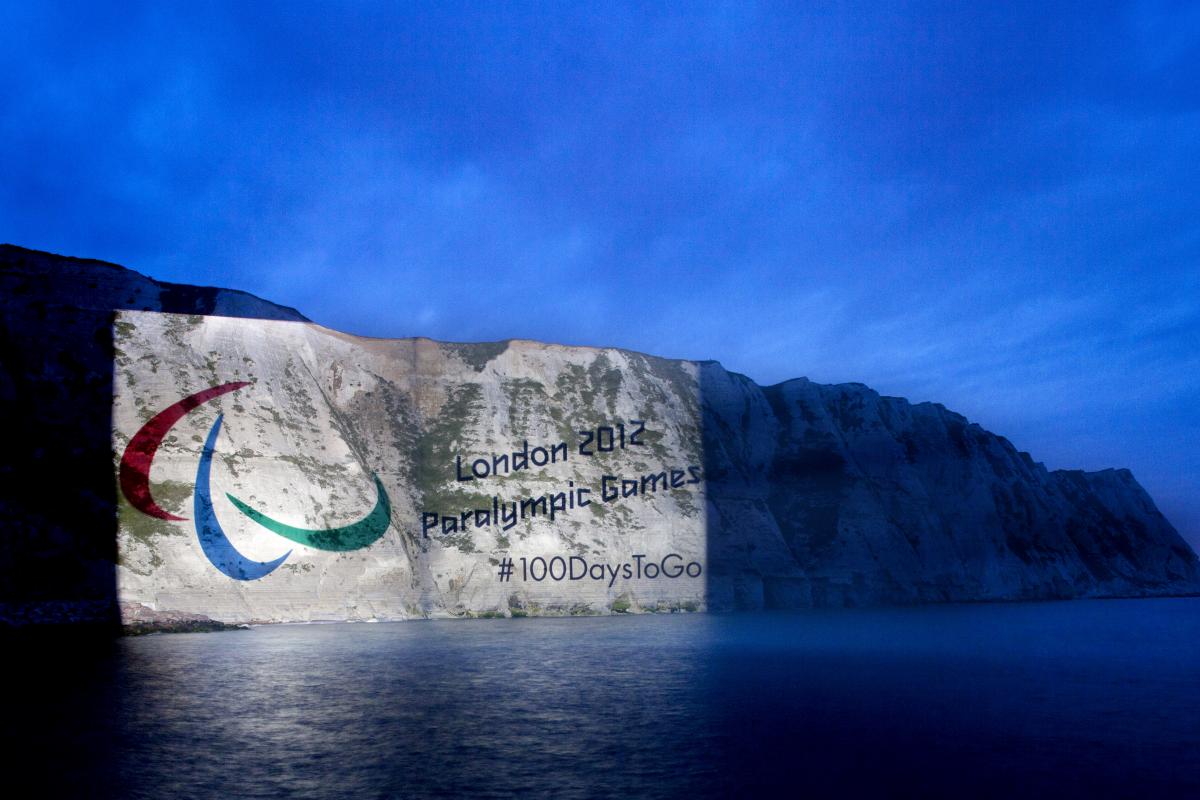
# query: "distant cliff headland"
{"type": "Point", "coordinates": [185, 454]}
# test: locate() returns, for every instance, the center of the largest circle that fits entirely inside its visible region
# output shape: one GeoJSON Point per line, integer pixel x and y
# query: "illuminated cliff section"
{"type": "Point", "coordinates": [325, 409]}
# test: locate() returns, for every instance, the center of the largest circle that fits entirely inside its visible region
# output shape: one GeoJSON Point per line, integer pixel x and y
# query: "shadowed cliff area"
{"type": "Point", "coordinates": [865, 500]}
{"type": "Point", "coordinates": [57, 485]}
{"type": "Point", "coordinates": [816, 495]}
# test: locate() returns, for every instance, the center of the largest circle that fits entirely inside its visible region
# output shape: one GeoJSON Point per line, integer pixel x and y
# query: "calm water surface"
{"type": "Point", "coordinates": [1094, 698]}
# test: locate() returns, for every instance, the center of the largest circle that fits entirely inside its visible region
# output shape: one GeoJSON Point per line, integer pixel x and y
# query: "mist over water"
{"type": "Point", "coordinates": [1096, 698]}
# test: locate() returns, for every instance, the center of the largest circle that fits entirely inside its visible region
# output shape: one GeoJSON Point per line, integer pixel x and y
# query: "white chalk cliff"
{"type": "Point", "coordinates": [728, 495]}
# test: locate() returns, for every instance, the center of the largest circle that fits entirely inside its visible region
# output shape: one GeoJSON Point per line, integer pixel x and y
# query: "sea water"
{"type": "Point", "coordinates": [1085, 698]}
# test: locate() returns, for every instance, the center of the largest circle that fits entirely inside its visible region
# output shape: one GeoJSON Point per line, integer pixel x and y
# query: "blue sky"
{"type": "Point", "coordinates": [996, 207]}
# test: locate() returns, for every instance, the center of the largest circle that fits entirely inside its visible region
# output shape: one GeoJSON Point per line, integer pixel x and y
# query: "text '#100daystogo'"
{"type": "Point", "coordinates": [577, 568]}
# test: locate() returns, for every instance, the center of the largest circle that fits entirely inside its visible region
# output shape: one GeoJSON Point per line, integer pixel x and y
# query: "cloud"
{"type": "Point", "coordinates": [992, 208]}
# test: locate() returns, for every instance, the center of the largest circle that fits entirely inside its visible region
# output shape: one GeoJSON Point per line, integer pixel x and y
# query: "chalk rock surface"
{"type": "Point", "coordinates": [508, 478]}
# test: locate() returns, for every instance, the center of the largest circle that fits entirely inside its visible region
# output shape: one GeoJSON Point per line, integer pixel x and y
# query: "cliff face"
{"type": "Point", "coordinates": [377, 479]}
{"type": "Point", "coordinates": [57, 493]}
{"type": "Point", "coordinates": [883, 501]}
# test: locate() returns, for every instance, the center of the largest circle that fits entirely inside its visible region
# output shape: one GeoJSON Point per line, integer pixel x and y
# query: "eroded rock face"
{"type": "Point", "coordinates": [883, 501]}
{"type": "Point", "coordinates": [727, 495]}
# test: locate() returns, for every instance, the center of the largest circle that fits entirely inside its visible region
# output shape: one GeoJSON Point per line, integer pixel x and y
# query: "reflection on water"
{"type": "Point", "coordinates": [1099, 698]}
